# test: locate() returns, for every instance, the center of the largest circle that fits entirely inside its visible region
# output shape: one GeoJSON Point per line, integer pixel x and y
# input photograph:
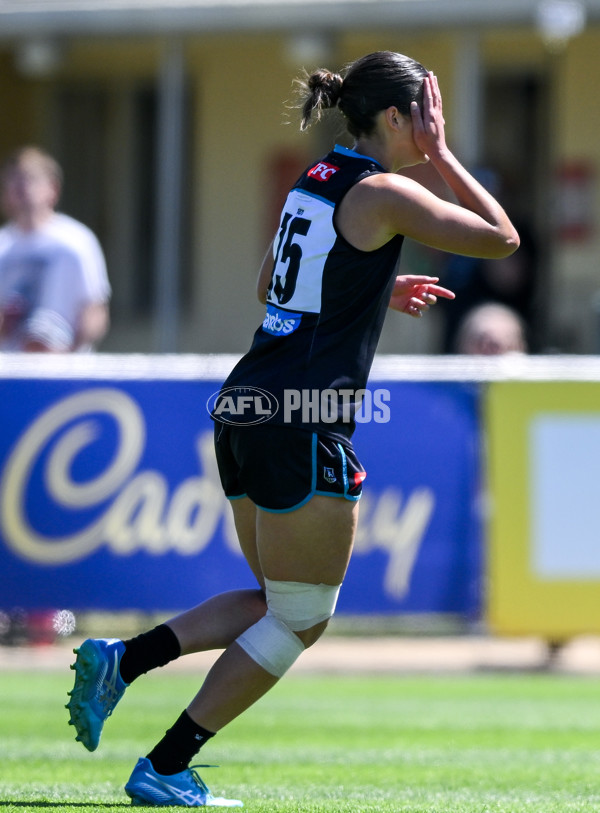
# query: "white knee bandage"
{"type": "Point", "coordinates": [292, 607]}
{"type": "Point", "coordinates": [300, 605]}
{"type": "Point", "coordinates": [272, 645]}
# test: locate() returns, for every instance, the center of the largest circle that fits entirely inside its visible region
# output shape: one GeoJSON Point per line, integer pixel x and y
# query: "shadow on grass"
{"type": "Point", "coordinates": [63, 805]}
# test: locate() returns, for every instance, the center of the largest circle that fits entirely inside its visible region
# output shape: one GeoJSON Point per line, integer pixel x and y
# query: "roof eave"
{"type": "Point", "coordinates": [131, 18]}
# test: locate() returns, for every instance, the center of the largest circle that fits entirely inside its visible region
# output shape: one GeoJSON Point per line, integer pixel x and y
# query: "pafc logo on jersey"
{"type": "Point", "coordinates": [322, 171]}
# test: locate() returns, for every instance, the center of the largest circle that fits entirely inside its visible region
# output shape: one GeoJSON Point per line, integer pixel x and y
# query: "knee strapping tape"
{"type": "Point", "coordinates": [271, 644]}
{"type": "Point", "coordinates": [300, 605]}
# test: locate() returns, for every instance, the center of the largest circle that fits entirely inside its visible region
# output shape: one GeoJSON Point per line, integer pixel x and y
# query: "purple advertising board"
{"type": "Point", "coordinates": [110, 498]}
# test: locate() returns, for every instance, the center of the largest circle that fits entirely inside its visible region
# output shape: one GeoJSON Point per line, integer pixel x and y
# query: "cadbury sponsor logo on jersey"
{"type": "Point", "coordinates": [322, 171]}
{"type": "Point", "coordinates": [280, 323]}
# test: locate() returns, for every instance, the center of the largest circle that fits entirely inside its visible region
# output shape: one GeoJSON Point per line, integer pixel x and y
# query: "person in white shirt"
{"type": "Point", "coordinates": [54, 288]}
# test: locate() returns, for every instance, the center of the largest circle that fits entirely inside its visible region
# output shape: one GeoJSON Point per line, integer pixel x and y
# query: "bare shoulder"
{"type": "Point", "coordinates": [380, 187]}
{"type": "Point", "coordinates": [366, 216]}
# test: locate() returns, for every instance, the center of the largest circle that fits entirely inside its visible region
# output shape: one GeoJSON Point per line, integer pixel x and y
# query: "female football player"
{"type": "Point", "coordinates": [294, 480]}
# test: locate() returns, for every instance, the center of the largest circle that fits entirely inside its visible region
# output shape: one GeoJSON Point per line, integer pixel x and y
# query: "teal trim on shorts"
{"type": "Point", "coordinates": [293, 508]}
{"type": "Point", "coordinates": [348, 497]}
{"type": "Point", "coordinates": [237, 497]}
{"type": "Point", "coordinates": [306, 499]}
{"type": "Point", "coordinates": [344, 467]}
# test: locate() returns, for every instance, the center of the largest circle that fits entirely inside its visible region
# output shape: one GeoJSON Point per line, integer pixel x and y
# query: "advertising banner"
{"type": "Point", "coordinates": [110, 498]}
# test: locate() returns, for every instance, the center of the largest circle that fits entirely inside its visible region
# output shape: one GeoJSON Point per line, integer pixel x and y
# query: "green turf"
{"type": "Point", "coordinates": [463, 744]}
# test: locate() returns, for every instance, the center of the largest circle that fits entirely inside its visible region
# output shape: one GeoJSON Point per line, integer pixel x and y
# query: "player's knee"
{"type": "Point", "coordinates": [302, 606]}
{"type": "Point", "coordinates": [312, 634]}
{"type": "Point", "coordinates": [257, 603]}
{"type": "Point", "coordinates": [271, 645]}
{"type": "Point", "coordinates": [297, 616]}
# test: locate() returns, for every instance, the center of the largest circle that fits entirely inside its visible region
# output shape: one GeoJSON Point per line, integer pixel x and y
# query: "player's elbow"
{"type": "Point", "coordinates": [502, 244]}
{"type": "Point", "coordinates": [511, 243]}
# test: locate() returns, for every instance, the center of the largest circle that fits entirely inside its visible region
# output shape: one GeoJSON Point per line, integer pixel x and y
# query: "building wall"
{"type": "Point", "coordinates": [244, 151]}
{"type": "Point", "coordinates": [241, 85]}
{"type": "Point", "coordinates": [576, 263]}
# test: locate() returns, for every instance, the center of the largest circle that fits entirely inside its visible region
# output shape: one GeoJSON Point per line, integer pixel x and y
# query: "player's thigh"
{"type": "Point", "coordinates": [244, 517]}
{"type": "Point", "coordinates": [310, 544]}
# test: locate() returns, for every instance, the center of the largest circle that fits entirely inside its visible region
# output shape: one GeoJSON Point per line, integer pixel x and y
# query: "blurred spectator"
{"type": "Point", "coordinates": [491, 330]}
{"type": "Point", "coordinates": [510, 281]}
{"type": "Point", "coordinates": [54, 289]}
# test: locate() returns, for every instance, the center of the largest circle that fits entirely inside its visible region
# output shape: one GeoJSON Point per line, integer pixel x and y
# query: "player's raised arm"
{"type": "Point", "coordinates": [384, 205]}
{"type": "Point", "coordinates": [489, 231]}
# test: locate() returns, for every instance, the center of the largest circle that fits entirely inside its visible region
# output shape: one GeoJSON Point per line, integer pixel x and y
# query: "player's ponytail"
{"type": "Point", "coordinates": [318, 91]}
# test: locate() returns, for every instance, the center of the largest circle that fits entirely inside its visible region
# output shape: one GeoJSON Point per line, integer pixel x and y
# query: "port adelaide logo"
{"type": "Point", "coordinates": [242, 406]}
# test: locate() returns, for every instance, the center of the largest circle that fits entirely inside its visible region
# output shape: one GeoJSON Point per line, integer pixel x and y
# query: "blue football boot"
{"type": "Point", "coordinates": [98, 687]}
{"type": "Point", "coordinates": [184, 789]}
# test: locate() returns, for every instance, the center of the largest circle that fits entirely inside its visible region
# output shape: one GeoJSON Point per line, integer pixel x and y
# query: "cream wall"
{"type": "Point", "coordinates": [240, 85]}
{"type": "Point", "coordinates": [577, 120]}
{"type": "Point", "coordinates": [16, 95]}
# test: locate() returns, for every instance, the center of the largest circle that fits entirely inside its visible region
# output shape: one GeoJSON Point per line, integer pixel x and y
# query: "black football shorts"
{"type": "Point", "coordinates": [280, 467]}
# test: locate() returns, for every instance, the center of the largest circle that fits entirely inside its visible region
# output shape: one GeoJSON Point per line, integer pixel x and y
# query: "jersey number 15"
{"type": "Point", "coordinates": [283, 285]}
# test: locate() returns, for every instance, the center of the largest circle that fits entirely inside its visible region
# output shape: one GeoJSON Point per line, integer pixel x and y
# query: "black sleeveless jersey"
{"type": "Point", "coordinates": [310, 359]}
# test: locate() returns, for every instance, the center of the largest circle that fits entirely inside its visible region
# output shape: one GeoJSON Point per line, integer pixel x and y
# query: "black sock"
{"type": "Point", "coordinates": [180, 743]}
{"type": "Point", "coordinates": [147, 651]}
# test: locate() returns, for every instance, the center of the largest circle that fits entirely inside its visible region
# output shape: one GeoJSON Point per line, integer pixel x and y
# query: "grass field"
{"type": "Point", "coordinates": [430, 744]}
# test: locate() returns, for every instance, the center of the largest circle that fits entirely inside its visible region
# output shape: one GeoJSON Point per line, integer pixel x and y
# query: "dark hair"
{"type": "Point", "coordinates": [372, 83]}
